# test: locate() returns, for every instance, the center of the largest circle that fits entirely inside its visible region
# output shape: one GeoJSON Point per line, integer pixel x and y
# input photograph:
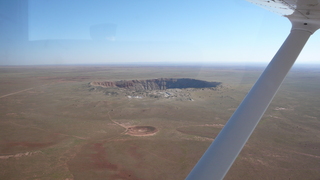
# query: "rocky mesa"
{"type": "Point", "coordinates": [157, 84]}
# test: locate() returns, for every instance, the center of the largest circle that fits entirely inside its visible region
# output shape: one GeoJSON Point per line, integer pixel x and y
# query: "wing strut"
{"type": "Point", "coordinates": [219, 157]}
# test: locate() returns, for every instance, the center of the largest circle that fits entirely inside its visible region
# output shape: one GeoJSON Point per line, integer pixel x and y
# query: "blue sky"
{"type": "Point", "coordinates": [169, 31]}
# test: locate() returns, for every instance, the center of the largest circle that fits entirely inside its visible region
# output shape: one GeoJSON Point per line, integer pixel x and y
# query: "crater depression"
{"type": "Point", "coordinates": [142, 131]}
{"type": "Point", "coordinates": [154, 88]}
{"type": "Point", "coordinates": [158, 84]}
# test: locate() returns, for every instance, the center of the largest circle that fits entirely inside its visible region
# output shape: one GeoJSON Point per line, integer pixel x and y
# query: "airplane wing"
{"type": "Point", "coordinates": [217, 160]}
{"type": "Point", "coordinates": [288, 7]}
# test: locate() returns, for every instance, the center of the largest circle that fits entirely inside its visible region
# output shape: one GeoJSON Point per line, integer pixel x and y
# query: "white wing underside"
{"type": "Point", "coordinates": [308, 9]}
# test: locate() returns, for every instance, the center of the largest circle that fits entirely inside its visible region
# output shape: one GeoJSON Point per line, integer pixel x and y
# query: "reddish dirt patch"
{"type": "Point", "coordinates": [29, 144]}
{"type": "Point", "coordinates": [133, 151]}
{"type": "Point", "coordinates": [94, 160]}
{"type": "Point", "coordinates": [126, 175]}
{"type": "Point", "coordinates": [16, 147]}
{"type": "Point", "coordinates": [99, 158]}
{"type": "Point", "coordinates": [142, 131]}
{"type": "Point", "coordinates": [23, 146]}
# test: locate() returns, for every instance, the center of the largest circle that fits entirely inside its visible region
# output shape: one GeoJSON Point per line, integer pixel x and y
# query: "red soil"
{"type": "Point", "coordinates": [29, 144]}
{"type": "Point", "coordinates": [96, 160]}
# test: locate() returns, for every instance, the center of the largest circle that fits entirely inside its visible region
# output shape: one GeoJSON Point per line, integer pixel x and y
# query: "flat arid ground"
{"type": "Point", "coordinates": [54, 124]}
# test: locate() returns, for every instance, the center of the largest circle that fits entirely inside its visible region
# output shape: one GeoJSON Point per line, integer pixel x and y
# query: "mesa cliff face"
{"type": "Point", "coordinates": [157, 84]}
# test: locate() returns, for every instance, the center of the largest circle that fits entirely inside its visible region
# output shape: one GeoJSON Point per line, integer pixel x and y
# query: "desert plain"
{"type": "Point", "coordinates": [55, 123]}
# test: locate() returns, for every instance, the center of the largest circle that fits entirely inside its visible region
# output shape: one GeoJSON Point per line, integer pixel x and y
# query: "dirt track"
{"type": "Point", "coordinates": [16, 92]}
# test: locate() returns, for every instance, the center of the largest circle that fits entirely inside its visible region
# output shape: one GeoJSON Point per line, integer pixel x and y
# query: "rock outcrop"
{"type": "Point", "coordinates": [157, 84]}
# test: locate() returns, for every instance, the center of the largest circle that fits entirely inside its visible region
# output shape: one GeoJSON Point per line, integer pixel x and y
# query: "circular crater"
{"type": "Point", "coordinates": [142, 130]}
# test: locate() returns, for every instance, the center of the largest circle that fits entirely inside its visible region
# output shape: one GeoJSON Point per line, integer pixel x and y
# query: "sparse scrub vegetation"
{"type": "Point", "coordinates": [55, 125]}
